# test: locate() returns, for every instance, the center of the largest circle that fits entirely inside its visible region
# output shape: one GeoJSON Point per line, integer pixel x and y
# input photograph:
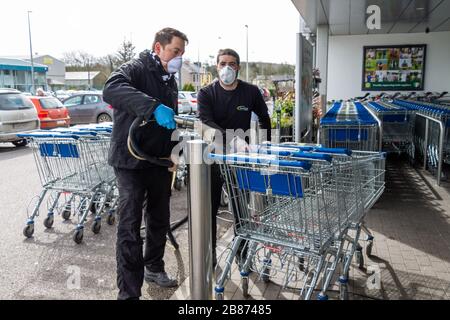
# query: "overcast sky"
{"type": "Point", "coordinates": [99, 26]}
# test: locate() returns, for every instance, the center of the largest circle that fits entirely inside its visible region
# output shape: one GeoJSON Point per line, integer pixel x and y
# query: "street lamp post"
{"type": "Point", "coordinates": [246, 67]}
{"type": "Point", "coordinates": [89, 74]}
{"type": "Point", "coordinates": [31, 55]}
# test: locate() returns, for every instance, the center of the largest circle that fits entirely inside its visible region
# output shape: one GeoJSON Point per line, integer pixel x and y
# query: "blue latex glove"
{"type": "Point", "coordinates": [164, 116]}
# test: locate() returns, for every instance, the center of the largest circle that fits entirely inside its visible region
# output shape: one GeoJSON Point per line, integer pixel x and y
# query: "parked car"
{"type": "Point", "coordinates": [88, 108]}
{"type": "Point", "coordinates": [51, 112]}
{"type": "Point", "coordinates": [187, 102]}
{"type": "Point", "coordinates": [265, 93]}
{"type": "Point", "coordinates": [17, 115]}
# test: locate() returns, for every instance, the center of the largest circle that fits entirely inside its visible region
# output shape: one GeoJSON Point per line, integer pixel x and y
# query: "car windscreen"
{"type": "Point", "coordinates": [14, 101]}
{"type": "Point", "coordinates": [51, 103]}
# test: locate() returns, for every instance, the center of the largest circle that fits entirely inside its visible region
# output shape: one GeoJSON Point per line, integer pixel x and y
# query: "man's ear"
{"type": "Point", "coordinates": [157, 48]}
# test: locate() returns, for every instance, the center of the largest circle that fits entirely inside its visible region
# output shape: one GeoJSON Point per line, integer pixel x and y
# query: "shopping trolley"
{"type": "Point", "coordinates": [349, 125]}
{"type": "Point", "coordinates": [373, 185]}
{"type": "Point", "coordinates": [73, 162]}
{"type": "Point", "coordinates": [108, 196]}
{"type": "Point", "coordinates": [306, 203]}
{"type": "Point", "coordinates": [397, 125]}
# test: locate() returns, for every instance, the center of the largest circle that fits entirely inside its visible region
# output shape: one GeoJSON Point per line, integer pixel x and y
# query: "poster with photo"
{"type": "Point", "coordinates": [394, 68]}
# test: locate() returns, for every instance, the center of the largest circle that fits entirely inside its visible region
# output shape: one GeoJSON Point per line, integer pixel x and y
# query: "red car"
{"type": "Point", "coordinates": [51, 112]}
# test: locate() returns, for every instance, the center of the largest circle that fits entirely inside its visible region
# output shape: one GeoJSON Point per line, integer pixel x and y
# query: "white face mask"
{"type": "Point", "coordinates": [174, 65]}
{"type": "Point", "coordinates": [227, 74]}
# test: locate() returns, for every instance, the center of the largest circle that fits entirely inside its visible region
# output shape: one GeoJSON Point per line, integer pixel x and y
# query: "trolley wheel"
{"type": "Point", "coordinates": [369, 248]}
{"type": "Point", "coordinates": [20, 143]}
{"type": "Point", "coordinates": [78, 236]}
{"type": "Point", "coordinates": [219, 295]}
{"type": "Point", "coordinates": [359, 259]}
{"type": "Point", "coordinates": [245, 287]}
{"type": "Point", "coordinates": [343, 291]}
{"type": "Point", "coordinates": [96, 226]}
{"type": "Point", "coordinates": [178, 184]}
{"type": "Point", "coordinates": [111, 219]}
{"type": "Point", "coordinates": [48, 222]}
{"type": "Point", "coordinates": [66, 214]}
{"type": "Point", "coordinates": [28, 230]}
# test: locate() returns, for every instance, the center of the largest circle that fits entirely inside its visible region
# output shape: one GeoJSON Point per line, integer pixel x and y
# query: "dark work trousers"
{"type": "Point", "coordinates": [136, 186]}
{"type": "Point", "coordinates": [217, 183]}
{"type": "Point", "coordinates": [216, 191]}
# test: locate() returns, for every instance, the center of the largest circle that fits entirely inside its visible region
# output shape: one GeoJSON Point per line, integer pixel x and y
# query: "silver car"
{"type": "Point", "coordinates": [88, 108]}
{"type": "Point", "coordinates": [17, 115]}
{"type": "Point", "coordinates": [187, 102]}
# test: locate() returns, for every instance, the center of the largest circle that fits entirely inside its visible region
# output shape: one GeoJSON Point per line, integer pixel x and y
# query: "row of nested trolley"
{"type": "Point", "coordinates": [300, 213]}
{"type": "Point", "coordinates": [76, 179]}
{"type": "Point", "coordinates": [431, 133]}
{"type": "Point", "coordinates": [418, 129]}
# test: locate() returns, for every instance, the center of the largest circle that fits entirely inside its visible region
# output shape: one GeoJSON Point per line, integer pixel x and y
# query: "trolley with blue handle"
{"type": "Point", "coordinates": [349, 125]}
{"type": "Point", "coordinates": [397, 124]}
{"type": "Point", "coordinates": [73, 161]}
{"type": "Point", "coordinates": [310, 200]}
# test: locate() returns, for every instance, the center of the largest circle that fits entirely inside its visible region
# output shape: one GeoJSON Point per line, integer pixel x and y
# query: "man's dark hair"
{"type": "Point", "coordinates": [229, 52]}
{"type": "Point", "coordinates": [165, 36]}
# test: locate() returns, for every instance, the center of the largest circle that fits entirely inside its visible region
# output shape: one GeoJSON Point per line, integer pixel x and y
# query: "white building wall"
{"type": "Point", "coordinates": [345, 59]}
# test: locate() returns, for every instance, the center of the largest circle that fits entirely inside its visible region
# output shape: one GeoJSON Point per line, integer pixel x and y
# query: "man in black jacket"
{"type": "Point", "coordinates": [144, 87]}
{"type": "Point", "coordinates": [227, 104]}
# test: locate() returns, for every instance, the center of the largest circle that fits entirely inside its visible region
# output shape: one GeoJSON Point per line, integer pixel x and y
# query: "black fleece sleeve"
{"type": "Point", "coordinates": [260, 108]}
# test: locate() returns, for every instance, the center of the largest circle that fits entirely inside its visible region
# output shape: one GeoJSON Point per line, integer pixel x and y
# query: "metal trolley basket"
{"type": "Point", "coordinates": [298, 205]}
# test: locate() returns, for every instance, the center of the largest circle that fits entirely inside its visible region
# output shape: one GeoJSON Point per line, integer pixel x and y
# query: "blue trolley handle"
{"type": "Point", "coordinates": [48, 135]}
{"type": "Point", "coordinates": [278, 162]}
{"type": "Point", "coordinates": [298, 154]}
{"type": "Point", "coordinates": [345, 151]}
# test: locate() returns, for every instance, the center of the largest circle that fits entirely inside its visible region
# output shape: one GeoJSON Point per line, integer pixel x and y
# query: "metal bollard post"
{"type": "Point", "coordinates": [200, 247]}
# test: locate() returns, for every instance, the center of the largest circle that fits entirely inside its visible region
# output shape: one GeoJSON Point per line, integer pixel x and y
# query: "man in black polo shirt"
{"type": "Point", "coordinates": [227, 103]}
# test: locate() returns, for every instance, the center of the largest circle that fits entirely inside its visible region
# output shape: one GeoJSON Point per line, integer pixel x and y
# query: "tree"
{"type": "Point", "coordinates": [125, 52]}
{"type": "Point", "coordinates": [78, 59]}
{"type": "Point", "coordinates": [188, 87]}
{"type": "Point", "coordinates": [108, 63]}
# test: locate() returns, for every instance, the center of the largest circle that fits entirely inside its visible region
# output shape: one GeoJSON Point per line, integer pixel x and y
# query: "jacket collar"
{"type": "Point", "coordinates": [153, 63]}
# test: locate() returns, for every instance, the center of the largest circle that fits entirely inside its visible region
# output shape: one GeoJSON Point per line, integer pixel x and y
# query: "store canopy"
{"type": "Point", "coordinates": [348, 17]}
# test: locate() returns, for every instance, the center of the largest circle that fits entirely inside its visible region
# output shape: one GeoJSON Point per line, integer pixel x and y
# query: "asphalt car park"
{"type": "Point", "coordinates": [50, 265]}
